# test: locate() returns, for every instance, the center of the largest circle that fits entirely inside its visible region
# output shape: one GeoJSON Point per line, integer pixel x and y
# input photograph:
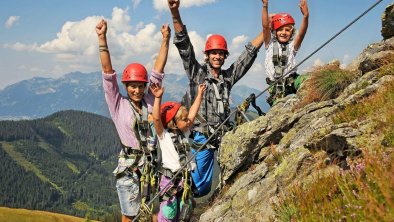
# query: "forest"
{"type": "Point", "coordinates": [61, 163]}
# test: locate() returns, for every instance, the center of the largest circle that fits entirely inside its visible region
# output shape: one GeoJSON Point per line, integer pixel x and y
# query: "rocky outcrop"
{"type": "Point", "coordinates": [265, 157]}
{"type": "Point", "coordinates": [388, 22]}
{"type": "Point", "coordinates": [373, 56]}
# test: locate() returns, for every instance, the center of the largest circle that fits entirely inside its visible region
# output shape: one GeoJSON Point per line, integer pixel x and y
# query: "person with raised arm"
{"type": "Point", "coordinates": [131, 115]}
{"type": "Point", "coordinates": [282, 43]}
{"type": "Point", "coordinates": [215, 107]}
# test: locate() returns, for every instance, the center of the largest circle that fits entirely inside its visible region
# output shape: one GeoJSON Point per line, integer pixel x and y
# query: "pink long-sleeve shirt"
{"type": "Point", "coordinates": [120, 108]}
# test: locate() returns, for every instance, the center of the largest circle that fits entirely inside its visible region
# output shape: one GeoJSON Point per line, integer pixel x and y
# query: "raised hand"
{"type": "Point", "coordinates": [101, 27]}
{"type": "Point", "coordinates": [156, 90]}
{"type": "Point", "coordinates": [165, 31]}
{"type": "Point", "coordinates": [201, 89]}
{"type": "Point", "coordinates": [173, 4]}
{"type": "Point", "coordinates": [304, 7]}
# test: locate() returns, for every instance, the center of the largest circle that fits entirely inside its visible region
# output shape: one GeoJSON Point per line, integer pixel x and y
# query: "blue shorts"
{"type": "Point", "coordinates": [128, 188]}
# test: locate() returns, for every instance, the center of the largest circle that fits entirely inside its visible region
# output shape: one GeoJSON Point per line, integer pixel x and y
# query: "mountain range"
{"type": "Point", "coordinates": [39, 97]}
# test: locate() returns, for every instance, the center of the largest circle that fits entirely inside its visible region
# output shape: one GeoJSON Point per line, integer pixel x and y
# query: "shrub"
{"type": "Point", "coordinates": [325, 82]}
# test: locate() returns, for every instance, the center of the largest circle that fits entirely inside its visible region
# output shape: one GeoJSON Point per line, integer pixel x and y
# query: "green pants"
{"type": "Point", "coordinates": [291, 85]}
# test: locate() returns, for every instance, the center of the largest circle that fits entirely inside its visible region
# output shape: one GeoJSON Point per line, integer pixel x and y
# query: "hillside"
{"type": "Point", "coordinates": [61, 163]}
{"type": "Point", "coordinates": [18, 215]}
{"type": "Point", "coordinates": [325, 154]}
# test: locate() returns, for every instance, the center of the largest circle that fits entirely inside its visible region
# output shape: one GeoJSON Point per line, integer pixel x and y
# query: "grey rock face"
{"type": "Point", "coordinates": [388, 22]}
{"type": "Point", "coordinates": [263, 158]}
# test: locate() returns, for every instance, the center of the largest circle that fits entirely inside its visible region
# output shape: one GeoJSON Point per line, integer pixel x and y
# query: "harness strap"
{"type": "Point", "coordinates": [279, 58]}
{"type": "Point", "coordinates": [173, 190]}
{"type": "Point", "coordinates": [203, 126]}
{"type": "Point", "coordinates": [220, 104]}
{"type": "Point", "coordinates": [182, 146]}
{"type": "Point", "coordinates": [143, 127]}
{"type": "Point", "coordinates": [221, 93]}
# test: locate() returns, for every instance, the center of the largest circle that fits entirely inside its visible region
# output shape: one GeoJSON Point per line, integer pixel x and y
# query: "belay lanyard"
{"type": "Point", "coordinates": [148, 189]}
{"type": "Point", "coordinates": [148, 178]}
{"type": "Point", "coordinates": [183, 148]}
{"type": "Point", "coordinates": [186, 208]}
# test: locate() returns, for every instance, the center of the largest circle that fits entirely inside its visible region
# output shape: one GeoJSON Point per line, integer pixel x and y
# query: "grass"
{"type": "Point", "coordinates": [365, 191]}
{"type": "Point", "coordinates": [378, 107]}
{"type": "Point", "coordinates": [386, 66]}
{"type": "Point", "coordinates": [325, 82]}
{"type": "Point", "coordinates": [18, 215]}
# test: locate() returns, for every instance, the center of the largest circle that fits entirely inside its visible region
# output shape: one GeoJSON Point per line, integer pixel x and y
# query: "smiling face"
{"type": "Point", "coordinates": [216, 58]}
{"type": "Point", "coordinates": [135, 90]}
{"type": "Point", "coordinates": [284, 33]}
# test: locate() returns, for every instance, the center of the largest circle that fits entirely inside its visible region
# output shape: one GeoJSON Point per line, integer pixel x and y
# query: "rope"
{"type": "Point", "coordinates": [239, 108]}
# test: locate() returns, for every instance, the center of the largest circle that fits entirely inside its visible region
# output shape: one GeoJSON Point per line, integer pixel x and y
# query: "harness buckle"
{"type": "Point", "coordinates": [143, 125]}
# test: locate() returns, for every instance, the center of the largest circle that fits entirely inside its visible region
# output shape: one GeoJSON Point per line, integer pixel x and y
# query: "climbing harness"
{"type": "Point", "coordinates": [221, 98]}
{"type": "Point", "coordinates": [149, 174]}
{"type": "Point", "coordinates": [220, 89]}
{"type": "Point", "coordinates": [232, 113]}
{"type": "Point", "coordinates": [280, 59]}
{"type": "Point", "coordinates": [282, 88]}
{"type": "Point", "coordinates": [284, 85]}
{"type": "Point", "coordinates": [183, 148]}
{"type": "Point", "coordinates": [220, 107]}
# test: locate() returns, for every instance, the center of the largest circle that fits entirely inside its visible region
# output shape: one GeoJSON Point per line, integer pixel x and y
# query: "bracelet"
{"type": "Point", "coordinates": [103, 48]}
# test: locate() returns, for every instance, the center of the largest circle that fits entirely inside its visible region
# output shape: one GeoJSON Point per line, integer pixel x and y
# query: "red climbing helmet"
{"type": "Point", "coordinates": [135, 72]}
{"type": "Point", "coordinates": [216, 42]}
{"type": "Point", "coordinates": [167, 111]}
{"type": "Point", "coordinates": [281, 19]}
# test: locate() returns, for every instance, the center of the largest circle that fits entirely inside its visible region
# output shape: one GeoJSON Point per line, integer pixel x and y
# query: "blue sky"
{"type": "Point", "coordinates": [49, 38]}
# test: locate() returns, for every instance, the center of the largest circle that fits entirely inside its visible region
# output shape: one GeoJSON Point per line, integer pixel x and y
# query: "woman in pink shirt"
{"type": "Point", "coordinates": [131, 115]}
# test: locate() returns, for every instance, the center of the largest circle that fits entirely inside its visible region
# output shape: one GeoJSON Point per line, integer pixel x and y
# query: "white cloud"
{"type": "Point", "coordinates": [257, 67]}
{"type": "Point", "coordinates": [120, 20]}
{"type": "Point", "coordinates": [135, 3]}
{"type": "Point", "coordinates": [239, 40]}
{"type": "Point", "coordinates": [21, 47]}
{"type": "Point", "coordinates": [11, 21]}
{"type": "Point", "coordinates": [76, 45]}
{"type": "Point", "coordinates": [345, 61]}
{"type": "Point", "coordinates": [139, 26]}
{"type": "Point", "coordinates": [35, 69]}
{"type": "Point", "coordinates": [162, 5]}
{"type": "Point", "coordinates": [318, 62]}
{"type": "Point", "coordinates": [174, 62]}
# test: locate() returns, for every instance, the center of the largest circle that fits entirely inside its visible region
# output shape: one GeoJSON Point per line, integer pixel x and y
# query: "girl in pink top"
{"type": "Point", "coordinates": [129, 114]}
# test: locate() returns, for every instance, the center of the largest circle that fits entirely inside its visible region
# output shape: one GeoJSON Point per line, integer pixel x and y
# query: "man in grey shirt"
{"type": "Point", "coordinates": [215, 106]}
